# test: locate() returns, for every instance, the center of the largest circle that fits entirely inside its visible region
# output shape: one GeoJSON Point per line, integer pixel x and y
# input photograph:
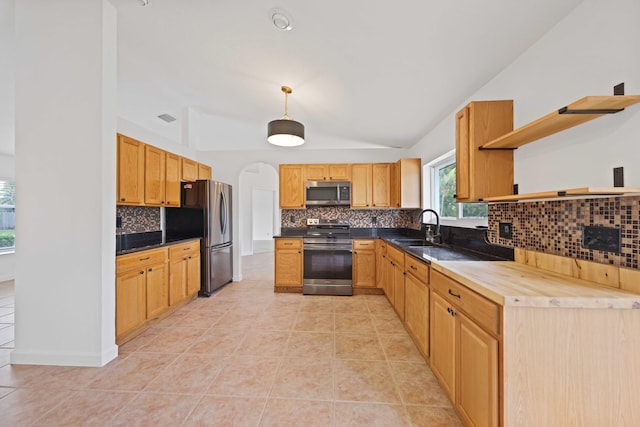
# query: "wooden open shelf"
{"type": "Point", "coordinates": [584, 191]}
{"type": "Point", "coordinates": [583, 110]}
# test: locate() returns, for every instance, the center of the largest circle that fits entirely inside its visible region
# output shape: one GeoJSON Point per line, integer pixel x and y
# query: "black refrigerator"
{"type": "Point", "coordinates": [205, 212]}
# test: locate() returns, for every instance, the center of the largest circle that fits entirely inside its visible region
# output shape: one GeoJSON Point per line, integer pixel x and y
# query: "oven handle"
{"type": "Point", "coordinates": [315, 247]}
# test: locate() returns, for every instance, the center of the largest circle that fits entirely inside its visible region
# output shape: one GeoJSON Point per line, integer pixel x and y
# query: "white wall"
{"type": "Point", "coordinates": [228, 165]}
{"type": "Point", "coordinates": [587, 53]}
{"type": "Point", "coordinates": [7, 260]}
{"type": "Point", "coordinates": [65, 176]}
{"type": "Point", "coordinates": [132, 130]}
{"type": "Point", "coordinates": [255, 176]}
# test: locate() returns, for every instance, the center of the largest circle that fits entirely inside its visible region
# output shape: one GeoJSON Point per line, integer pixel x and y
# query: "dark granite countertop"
{"type": "Point", "coordinates": [458, 243]}
{"type": "Point", "coordinates": [137, 242]}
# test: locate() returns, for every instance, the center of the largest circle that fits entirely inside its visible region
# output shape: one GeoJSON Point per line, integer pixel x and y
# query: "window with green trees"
{"type": "Point", "coordinates": [444, 189]}
{"type": "Point", "coordinates": [7, 215]}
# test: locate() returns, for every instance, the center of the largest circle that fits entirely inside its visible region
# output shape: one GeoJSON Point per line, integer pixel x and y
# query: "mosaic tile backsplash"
{"type": "Point", "coordinates": [138, 219]}
{"type": "Point", "coordinates": [356, 218]}
{"type": "Point", "coordinates": [555, 227]}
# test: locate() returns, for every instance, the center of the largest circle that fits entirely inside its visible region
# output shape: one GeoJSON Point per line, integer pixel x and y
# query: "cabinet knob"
{"type": "Point", "coordinates": [142, 272]}
{"type": "Point", "coordinates": [122, 199]}
{"type": "Point", "coordinates": [150, 269]}
{"type": "Point", "coordinates": [161, 201]}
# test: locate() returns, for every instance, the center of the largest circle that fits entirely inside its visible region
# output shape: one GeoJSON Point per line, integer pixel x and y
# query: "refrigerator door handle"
{"type": "Point", "coordinates": [223, 213]}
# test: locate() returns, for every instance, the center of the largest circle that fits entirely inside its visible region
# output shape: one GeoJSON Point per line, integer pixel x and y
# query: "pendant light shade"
{"type": "Point", "coordinates": [285, 132]}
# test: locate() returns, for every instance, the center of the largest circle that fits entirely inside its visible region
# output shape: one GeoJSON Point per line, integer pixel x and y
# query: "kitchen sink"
{"type": "Point", "coordinates": [412, 242]}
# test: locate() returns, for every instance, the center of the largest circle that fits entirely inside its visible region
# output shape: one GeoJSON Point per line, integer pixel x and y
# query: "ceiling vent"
{"type": "Point", "coordinates": [167, 118]}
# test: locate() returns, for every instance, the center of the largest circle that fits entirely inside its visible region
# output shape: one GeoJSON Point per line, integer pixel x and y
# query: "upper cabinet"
{"type": "Point", "coordinates": [173, 174]}
{"type": "Point", "coordinates": [204, 171]}
{"type": "Point", "coordinates": [149, 176]}
{"type": "Point", "coordinates": [130, 171]}
{"type": "Point", "coordinates": [370, 185]}
{"type": "Point", "coordinates": [406, 184]}
{"type": "Point", "coordinates": [380, 179]}
{"type": "Point", "coordinates": [328, 172]}
{"type": "Point", "coordinates": [154, 176]}
{"type": "Point", "coordinates": [189, 170]}
{"type": "Point", "coordinates": [483, 173]}
{"type": "Point", "coordinates": [292, 193]}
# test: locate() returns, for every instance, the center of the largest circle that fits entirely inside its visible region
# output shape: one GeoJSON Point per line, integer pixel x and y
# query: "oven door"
{"type": "Point", "coordinates": [327, 269]}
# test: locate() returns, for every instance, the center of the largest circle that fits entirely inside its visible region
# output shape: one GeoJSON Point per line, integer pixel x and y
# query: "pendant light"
{"type": "Point", "coordinates": [285, 132]}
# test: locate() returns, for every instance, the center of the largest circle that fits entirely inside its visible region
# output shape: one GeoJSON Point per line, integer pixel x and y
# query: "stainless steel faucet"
{"type": "Point", "coordinates": [431, 236]}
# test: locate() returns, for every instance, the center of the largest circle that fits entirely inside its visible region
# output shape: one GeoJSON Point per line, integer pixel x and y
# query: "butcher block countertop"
{"type": "Point", "coordinates": [513, 284]}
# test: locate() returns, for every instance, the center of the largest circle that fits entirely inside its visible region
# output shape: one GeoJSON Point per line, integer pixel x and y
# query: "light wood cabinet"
{"type": "Point", "coordinates": [184, 277]}
{"type": "Point", "coordinates": [395, 279]}
{"type": "Point", "coordinates": [416, 310]}
{"type": "Point", "coordinates": [381, 181]}
{"type": "Point", "coordinates": [483, 173]}
{"type": "Point", "coordinates": [406, 184]}
{"type": "Point", "coordinates": [189, 170]}
{"type": "Point", "coordinates": [288, 262]}
{"type": "Point", "coordinates": [154, 176]}
{"type": "Point", "coordinates": [292, 190]}
{"type": "Point", "coordinates": [130, 171]}
{"type": "Point", "coordinates": [157, 289]}
{"type": "Point", "coordinates": [364, 263]}
{"type": "Point", "coordinates": [173, 175]}
{"type": "Point", "coordinates": [361, 185]}
{"type": "Point", "coordinates": [141, 290]}
{"type": "Point", "coordinates": [328, 172]}
{"type": "Point", "coordinates": [463, 353]}
{"type": "Point", "coordinates": [381, 258]}
{"type": "Point", "coordinates": [204, 171]}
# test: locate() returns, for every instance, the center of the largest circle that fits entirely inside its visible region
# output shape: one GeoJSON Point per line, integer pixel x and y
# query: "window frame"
{"type": "Point", "coordinates": [9, 249]}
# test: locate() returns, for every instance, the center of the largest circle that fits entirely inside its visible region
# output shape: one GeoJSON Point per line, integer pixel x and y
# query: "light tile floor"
{"type": "Point", "coordinates": [244, 357]}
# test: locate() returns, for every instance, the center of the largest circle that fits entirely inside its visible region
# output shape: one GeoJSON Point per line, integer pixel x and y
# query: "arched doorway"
{"type": "Point", "coordinates": [258, 214]}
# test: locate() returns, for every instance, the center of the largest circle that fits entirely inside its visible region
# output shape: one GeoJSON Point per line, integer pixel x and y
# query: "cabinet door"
{"type": "Point", "coordinates": [154, 175]}
{"type": "Point", "coordinates": [417, 311]}
{"type": "Point", "coordinates": [388, 280]}
{"type": "Point", "coordinates": [204, 171]}
{"type": "Point", "coordinates": [292, 186]}
{"type": "Point", "coordinates": [477, 387]}
{"type": "Point", "coordinates": [463, 165]}
{"type": "Point", "coordinates": [316, 173]}
{"type": "Point", "coordinates": [189, 170]}
{"type": "Point", "coordinates": [361, 185]}
{"type": "Point", "coordinates": [442, 335]}
{"type": "Point", "coordinates": [398, 289]}
{"type": "Point", "coordinates": [407, 175]}
{"type": "Point", "coordinates": [157, 289]}
{"type": "Point", "coordinates": [288, 262]}
{"type": "Point", "coordinates": [130, 175]}
{"type": "Point", "coordinates": [177, 279]}
{"type": "Point", "coordinates": [130, 300]}
{"type": "Point", "coordinates": [173, 175]}
{"type": "Point", "coordinates": [193, 274]}
{"type": "Point", "coordinates": [364, 268]}
{"type": "Point", "coordinates": [381, 250]}
{"type": "Point", "coordinates": [381, 191]}
{"type": "Point", "coordinates": [339, 172]}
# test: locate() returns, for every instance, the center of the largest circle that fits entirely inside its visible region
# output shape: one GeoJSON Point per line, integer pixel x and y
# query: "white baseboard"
{"type": "Point", "coordinates": [25, 357]}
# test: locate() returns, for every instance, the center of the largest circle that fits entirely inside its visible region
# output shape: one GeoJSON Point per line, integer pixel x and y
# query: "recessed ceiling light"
{"type": "Point", "coordinates": [167, 118]}
{"type": "Point", "coordinates": [281, 19]}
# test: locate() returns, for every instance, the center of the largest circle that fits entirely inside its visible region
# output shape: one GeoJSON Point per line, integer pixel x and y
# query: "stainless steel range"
{"type": "Point", "coordinates": [327, 259]}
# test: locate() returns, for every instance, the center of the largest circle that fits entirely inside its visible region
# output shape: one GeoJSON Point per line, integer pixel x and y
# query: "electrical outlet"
{"type": "Point", "coordinates": [374, 220]}
{"type": "Point", "coordinates": [118, 222]}
{"type": "Point", "coordinates": [312, 221]}
{"type": "Point", "coordinates": [506, 230]}
{"type": "Point", "coordinates": [292, 218]}
{"type": "Point", "coordinates": [601, 238]}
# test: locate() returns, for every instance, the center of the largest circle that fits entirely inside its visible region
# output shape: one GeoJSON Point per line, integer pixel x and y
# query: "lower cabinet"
{"type": "Point", "coordinates": [416, 307]}
{"type": "Point", "coordinates": [288, 263]}
{"type": "Point", "coordinates": [184, 278]}
{"type": "Point", "coordinates": [364, 263]}
{"type": "Point", "coordinates": [141, 289]}
{"type": "Point", "coordinates": [147, 280]}
{"type": "Point", "coordinates": [464, 350]}
{"type": "Point", "coordinates": [395, 280]}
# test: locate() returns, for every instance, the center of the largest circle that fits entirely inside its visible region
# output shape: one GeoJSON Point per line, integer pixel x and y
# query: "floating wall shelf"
{"type": "Point", "coordinates": [574, 192]}
{"type": "Point", "coordinates": [583, 110]}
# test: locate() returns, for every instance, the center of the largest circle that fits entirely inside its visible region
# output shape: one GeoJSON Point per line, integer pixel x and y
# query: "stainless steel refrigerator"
{"type": "Point", "coordinates": [205, 212]}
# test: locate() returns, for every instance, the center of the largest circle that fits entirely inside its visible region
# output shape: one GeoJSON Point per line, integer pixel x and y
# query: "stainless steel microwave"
{"type": "Point", "coordinates": [323, 193]}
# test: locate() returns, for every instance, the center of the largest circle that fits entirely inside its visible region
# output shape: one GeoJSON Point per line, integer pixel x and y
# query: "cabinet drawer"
{"type": "Point", "coordinates": [484, 312]}
{"type": "Point", "coordinates": [364, 244]}
{"type": "Point", "coordinates": [395, 254]}
{"type": "Point", "coordinates": [140, 259]}
{"type": "Point", "coordinates": [416, 268]}
{"type": "Point", "coordinates": [182, 249]}
{"type": "Point", "coordinates": [288, 243]}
